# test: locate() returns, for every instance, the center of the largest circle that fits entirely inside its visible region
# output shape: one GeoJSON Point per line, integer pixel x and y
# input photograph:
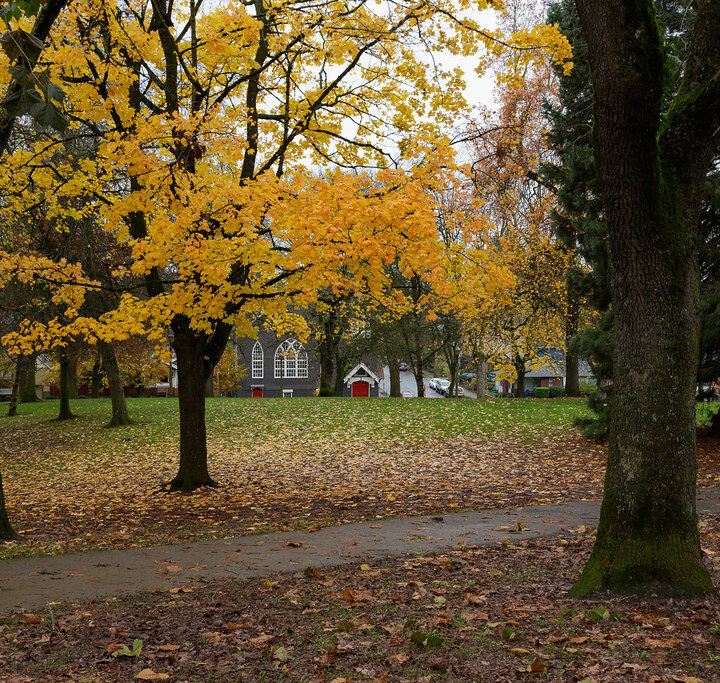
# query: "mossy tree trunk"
{"type": "Point", "coordinates": [647, 539]}
{"type": "Point", "coordinates": [65, 413]}
{"type": "Point", "coordinates": [116, 385]}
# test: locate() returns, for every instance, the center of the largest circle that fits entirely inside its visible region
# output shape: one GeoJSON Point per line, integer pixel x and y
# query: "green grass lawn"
{"type": "Point", "coordinates": [258, 420]}
{"type": "Point", "coordinates": [285, 464]}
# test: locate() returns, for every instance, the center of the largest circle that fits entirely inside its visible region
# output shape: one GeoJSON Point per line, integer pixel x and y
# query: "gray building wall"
{"type": "Point", "coordinates": [271, 386]}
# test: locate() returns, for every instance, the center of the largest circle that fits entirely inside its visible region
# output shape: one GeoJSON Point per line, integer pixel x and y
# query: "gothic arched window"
{"type": "Point", "coordinates": [258, 361]}
{"type": "Point", "coordinates": [291, 360]}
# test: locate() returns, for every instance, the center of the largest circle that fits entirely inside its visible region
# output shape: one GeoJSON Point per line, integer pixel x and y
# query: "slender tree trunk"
{"type": "Point", "coordinates": [647, 540]}
{"type": "Point", "coordinates": [12, 409]}
{"type": "Point", "coordinates": [65, 412]}
{"type": "Point", "coordinates": [419, 377]}
{"type": "Point", "coordinates": [326, 366]}
{"type": "Point", "coordinates": [192, 381]}
{"type": "Point", "coordinates": [95, 378]}
{"type": "Point", "coordinates": [72, 377]}
{"type": "Point", "coordinates": [7, 533]}
{"type": "Point", "coordinates": [120, 414]}
{"type": "Point", "coordinates": [520, 381]}
{"type": "Point", "coordinates": [339, 374]}
{"type": "Point", "coordinates": [572, 379]}
{"type": "Point", "coordinates": [481, 379]}
{"type": "Point", "coordinates": [394, 368]}
{"type": "Point", "coordinates": [26, 379]}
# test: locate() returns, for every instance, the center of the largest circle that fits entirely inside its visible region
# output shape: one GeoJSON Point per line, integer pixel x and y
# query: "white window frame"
{"type": "Point", "coordinates": [291, 360]}
{"type": "Point", "coordinates": [257, 361]}
{"type": "Point", "coordinates": [287, 393]}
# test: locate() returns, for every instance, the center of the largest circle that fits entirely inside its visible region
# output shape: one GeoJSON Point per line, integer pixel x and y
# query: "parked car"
{"type": "Point", "coordinates": [433, 383]}
{"type": "Point", "coordinates": [442, 386]}
{"type": "Point", "coordinates": [404, 366]}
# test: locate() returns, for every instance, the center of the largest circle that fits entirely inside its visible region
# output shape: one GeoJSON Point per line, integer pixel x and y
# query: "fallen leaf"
{"type": "Point", "coordinates": [150, 675]}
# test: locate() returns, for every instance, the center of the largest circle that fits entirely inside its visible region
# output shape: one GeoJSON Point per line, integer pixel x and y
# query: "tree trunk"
{"type": "Point", "coordinates": [339, 374]}
{"type": "Point", "coordinates": [520, 381]}
{"type": "Point", "coordinates": [65, 412]}
{"type": "Point", "coordinates": [72, 377]}
{"type": "Point", "coordinates": [116, 385]}
{"type": "Point", "coordinates": [26, 379]}
{"type": "Point", "coordinates": [95, 378]}
{"type": "Point", "coordinates": [419, 376]}
{"type": "Point", "coordinates": [7, 533]}
{"type": "Point", "coordinates": [394, 368]}
{"type": "Point", "coordinates": [12, 408]}
{"type": "Point", "coordinates": [647, 540]}
{"type": "Point", "coordinates": [192, 381]}
{"type": "Point", "coordinates": [715, 425]}
{"type": "Point", "coordinates": [572, 379]}
{"type": "Point", "coordinates": [210, 386]}
{"type": "Point", "coordinates": [481, 379]}
{"type": "Point", "coordinates": [326, 366]}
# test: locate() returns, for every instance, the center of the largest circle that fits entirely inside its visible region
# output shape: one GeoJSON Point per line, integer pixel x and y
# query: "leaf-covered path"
{"type": "Point", "coordinates": [32, 583]}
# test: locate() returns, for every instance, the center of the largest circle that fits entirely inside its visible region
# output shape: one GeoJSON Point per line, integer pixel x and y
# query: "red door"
{"type": "Point", "coordinates": [257, 392]}
{"type": "Point", "coordinates": [361, 388]}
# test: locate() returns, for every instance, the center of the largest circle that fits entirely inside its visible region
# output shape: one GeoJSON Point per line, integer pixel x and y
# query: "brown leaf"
{"type": "Point", "coordinates": [150, 675]}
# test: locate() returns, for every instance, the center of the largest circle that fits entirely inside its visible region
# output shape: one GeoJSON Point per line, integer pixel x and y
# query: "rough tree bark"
{"type": "Point", "coordinates": [197, 354]}
{"type": "Point", "coordinates": [26, 379]}
{"type": "Point", "coordinates": [116, 385]}
{"type": "Point", "coordinates": [651, 175]}
{"type": "Point", "coordinates": [394, 368]}
{"type": "Point", "coordinates": [481, 379]}
{"type": "Point", "coordinates": [65, 412]}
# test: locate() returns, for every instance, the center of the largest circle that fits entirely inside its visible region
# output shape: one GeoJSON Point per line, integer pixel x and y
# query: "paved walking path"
{"type": "Point", "coordinates": [32, 583]}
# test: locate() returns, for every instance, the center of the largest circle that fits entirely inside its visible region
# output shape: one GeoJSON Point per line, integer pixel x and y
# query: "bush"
{"type": "Point", "coordinates": [541, 392]}
{"type": "Point", "coordinates": [557, 392]}
{"type": "Point", "coordinates": [587, 388]}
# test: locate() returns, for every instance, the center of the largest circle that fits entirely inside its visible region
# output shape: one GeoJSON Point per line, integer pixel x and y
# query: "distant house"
{"type": "Point", "coordinates": [360, 382]}
{"type": "Point", "coordinates": [277, 367]}
{"type": "Point", "coordinates": [550, 374]}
